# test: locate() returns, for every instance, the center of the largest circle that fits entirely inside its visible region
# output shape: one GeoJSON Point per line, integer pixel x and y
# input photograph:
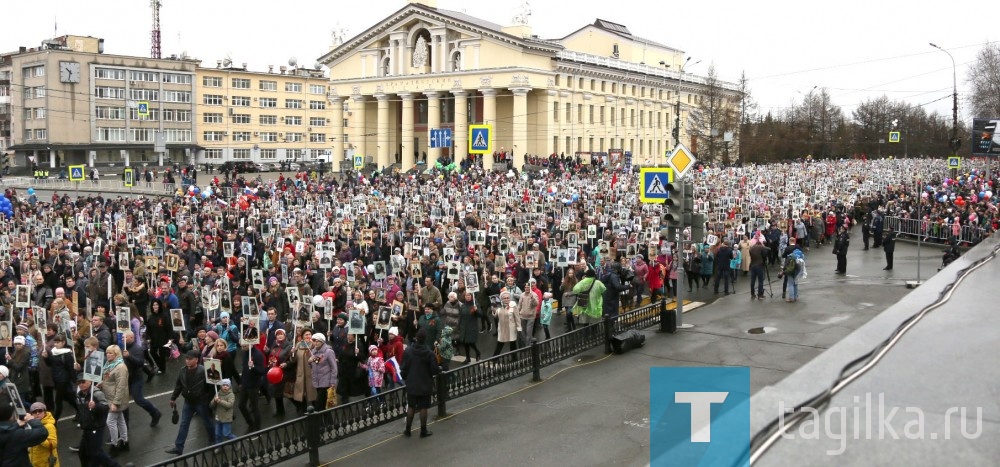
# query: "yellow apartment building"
{"type": "Point", "coordinates": [265, 117]}
{"type": "Point", "coordinates": [70, 103]}
{"type": "Point", "coordinates": [599, 90]}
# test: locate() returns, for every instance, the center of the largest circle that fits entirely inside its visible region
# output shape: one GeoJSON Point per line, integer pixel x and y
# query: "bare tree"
{"type": "Point", "coordinates": [984, 77]}
{"type": "Point", "coordinates": [719, 113]}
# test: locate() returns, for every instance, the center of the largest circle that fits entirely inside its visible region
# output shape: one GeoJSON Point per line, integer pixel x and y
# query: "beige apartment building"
{"type": "Point", "coordinates": [599, 90]}
{"type": "Point", "coordinates": [70, 103]}
{"type": "Point", "coordinates": [264, 117]}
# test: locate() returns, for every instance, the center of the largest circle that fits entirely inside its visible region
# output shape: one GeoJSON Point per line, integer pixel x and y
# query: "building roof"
{"type": "Point", "coordinates": [619, 30]}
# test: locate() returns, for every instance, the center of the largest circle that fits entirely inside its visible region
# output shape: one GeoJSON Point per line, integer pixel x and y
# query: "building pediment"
{"type": "Point", "coordinates": [405, 23]}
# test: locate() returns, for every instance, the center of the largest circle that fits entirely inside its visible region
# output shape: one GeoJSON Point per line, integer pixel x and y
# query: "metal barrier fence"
{"type": "Point", "coordinates": [935, 231]}
{"type": "Point", "coordinates": [110, 185]}
{"type": "Point", "coordinates": [316, 429]}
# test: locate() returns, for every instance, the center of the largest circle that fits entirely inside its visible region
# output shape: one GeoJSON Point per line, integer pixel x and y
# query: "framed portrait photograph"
{"type": "Point", "coordinates": [177, 319]}
{"type": "Point", "coordinates": [93, 367]}
{"type": "Point", "coordinates": [213, 371]}
{"type": "Point", "coordinates": [383, 320]}
{"type": "Point", "coordinates": [250, 330]}
{"type": "Point", "coordinates": [23, 296]}
{"type": "Point", "coordinates": [355, 322]}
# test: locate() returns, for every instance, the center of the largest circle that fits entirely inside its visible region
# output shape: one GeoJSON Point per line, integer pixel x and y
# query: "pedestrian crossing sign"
{"type": "Point", "coordinates": [954, 162]}
{"type": "Point", "coordinates": [359, 161]}
{"type": "Point", "coordinates": [653, 184]}
{"type": "Point", "coordinates": [129, 177]}
{"type": "Point", "coordinates": [479, 139]}
{"type": "Point", "coordinates": [76, 173]}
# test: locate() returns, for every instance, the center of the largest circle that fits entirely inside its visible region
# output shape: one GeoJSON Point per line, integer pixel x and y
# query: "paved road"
{"type": "Point", "coordinates": [588, 419]}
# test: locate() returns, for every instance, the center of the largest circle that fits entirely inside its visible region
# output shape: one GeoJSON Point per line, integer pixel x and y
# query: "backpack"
{"type": "Point", "coordinates": [583, 299]}
{"type": "Point", "coordinates": [790, 267]}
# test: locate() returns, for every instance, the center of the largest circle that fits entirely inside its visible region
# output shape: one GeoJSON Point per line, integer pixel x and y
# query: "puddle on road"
{"type": "Point", "coordinates": [761, 330]}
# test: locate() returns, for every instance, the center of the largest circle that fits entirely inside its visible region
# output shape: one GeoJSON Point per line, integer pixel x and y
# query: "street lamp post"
{"type": "Point", "coordinates": [955, 142]}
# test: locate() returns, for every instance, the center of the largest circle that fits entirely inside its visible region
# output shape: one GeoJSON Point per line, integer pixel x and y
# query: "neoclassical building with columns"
{"type": "Point", "coordinates": [596, 90]}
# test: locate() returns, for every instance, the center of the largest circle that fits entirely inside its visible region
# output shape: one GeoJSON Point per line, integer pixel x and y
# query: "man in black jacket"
{"type": "Point", "coordinates": [93, 418]}
{"type": "Point", "coordinates": [189, 303]}
{"type": "Point", "coordinates": [17, 435]}
{"type": "Point", "coordinates": [889, 245]}
{"type": "Point", "coordinates": [419, 368]}
{"type": "Point", "coordinates": [840, 249]}
{"type": "Point", "coordinates": [253, 374]}
{"type": "Point", "coordinates": [197, 393]}
{"type": "Point", "coordinates": [135, 358]}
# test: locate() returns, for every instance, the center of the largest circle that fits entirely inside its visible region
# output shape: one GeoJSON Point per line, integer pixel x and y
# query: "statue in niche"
{"type": "Point", "coordinates": [420, 53]}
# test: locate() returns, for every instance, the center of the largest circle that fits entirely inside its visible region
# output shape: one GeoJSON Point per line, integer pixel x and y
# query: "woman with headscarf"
{"type": "Point", "coordinates": [468, 325]}
{"type": "Point", "coordinates": [302, 391]}
{"type": "Point", "coordinates": [450, 311]}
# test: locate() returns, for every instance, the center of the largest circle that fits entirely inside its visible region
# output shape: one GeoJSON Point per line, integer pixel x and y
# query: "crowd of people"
{"type": "Point", "coordinates": [316, 291]}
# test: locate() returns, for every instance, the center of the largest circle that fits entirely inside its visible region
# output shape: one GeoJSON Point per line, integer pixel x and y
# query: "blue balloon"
{"type": "Point", "coordinates": [31, 191]}
{"type": "Point", "coordinates": [982, 194]}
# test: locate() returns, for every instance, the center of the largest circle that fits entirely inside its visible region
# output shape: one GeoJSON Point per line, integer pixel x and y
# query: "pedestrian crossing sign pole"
{"type": "Point", "coordinates": [76, 173]}
{"type": "Point", "coordinates": [653, 184]}
{"type": "Point", "coordinates": [129, 177]}
{"type": "Point", "coordinates": [480, 137]}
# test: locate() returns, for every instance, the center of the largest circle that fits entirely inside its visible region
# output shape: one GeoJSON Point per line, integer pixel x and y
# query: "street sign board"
{"type": "Point", "coordinates": [479, 139]}
{"type": "Point", "coordinates": [681, 160]}
{"type": "Point", "coordinates": [653, 184]}
{"type": "Point", "coordinates": [440, 137]}
{"type": "Point", "coordinates": [893, 136]}
{"type": "Point", "coordinates": [76, 173]}
{"type": "Point", "coordinates": [985, 137]}
{"type": "Point", "coordinates": [954, 162]}
{"type": "Point", "coordinates": [129, 177]}
{"type": "Point", "coordinates": [359, 161]}
{"type": "Point", "coordinates": [143, 108]}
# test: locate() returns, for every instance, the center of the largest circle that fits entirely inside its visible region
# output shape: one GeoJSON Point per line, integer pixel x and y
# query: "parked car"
{"type": "Point", "coordinates": [239, 167]}
{"type": "Point", "coordinates": [264, 167]}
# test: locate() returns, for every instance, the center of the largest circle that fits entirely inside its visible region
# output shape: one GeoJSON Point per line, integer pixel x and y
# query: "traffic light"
{"type": "Point", "coordinates": [698, 221]}
{"type": "Point", "coordinates": [673, 212]}
{"type": "Point", "coordinates": [6, 163]}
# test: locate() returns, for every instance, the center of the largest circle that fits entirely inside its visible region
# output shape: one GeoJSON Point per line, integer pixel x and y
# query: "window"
{"type": "Point", "coordinates": [241, 136]}
{"type": "Point", "coordinates": [213, 135]}
{"type": "Point", "coordinates": [212, 99]}
{"type": "Point", "coordinates": [317, 138]}
{"type": "Point", "coordinates": [34, 92]}
{"type": "Point", "coordinates": [110, 134]}
{"type": "Point", "coordinates": [269, 102]}
{"type": "Point", "coordinates": [268, 85]}
{"type": "Point", "coordinates": [107, 92]}
{"type": "Point", "coordinates": [315, 153]}
{"type": "Point", "coordinates": [579, 113]}
{"type": "Point", "coordinates": [141, 134]}
{"type": "Point", "coordinates": [317, 89]}
{"type": "Point", "coordinates": [175, 115]}
{"type": "Point", "coordinates": [600, 116]}
{"type": "Point", "coordinates": [293, 120]}
{"type": "Point", "coordinates": [241, 153]}
{"type": "Point", "coordinates": [109, 113]}
{"type": "Point", "coordinates": [555, 111]}
{"type": "Point", "coordinates": [212, 118]}
{"type": "Point", "coordinates": [268, 119]}
{"type": "Point", "coordinates": [317, 105]}
{"type": "Point", "coordinates": [148, 76]}
{"type": "Point", "coordinates": [144, 94]}
{"type": "Point", "coordinates": [29, 134]}
{"type": "Point", "coordinates": [241, 101]}
{"type": "Point", "coordinates": [293, 137]}
{"type": "Point", "coordinates": [269, 136]}
{"type": "Point", "coordinates": [241, 119]}
{"type": "Point", "coordinates": [213, 154]}
{"type": "Point", "coordinates": [345, 123]}
{"type": "Point", "coordinates": [176, 96]}
{"type": "Point", "coordinates": [317, 121]}
{"type": "Point", "coordinates": [591, 113]}
{"type": "Point", "coordinates": [293, 87]}
{"type": "Point", "coordinates": [40, 113]}
{"type": "Point", "coordinates": [176, 78]}
{"type": "Point", "coordinates": [293, 154]}
{"type": "Point", "coordinates": [241, 83]}
{"type": "Point", "coordinates": [569, 111]}
{"type": "Point", "coordinates": [268, 153]}
{"type": "Point", "coordinates": [33, 71]}
{"type": "Point", "coordinates": [41, 133]}
{"type": "Point", "coordinates": [212, 82]}
{"type": "Point", "coordinates": [293, 104]}
{"type": "Point", "coordinates": [152, 115]}
{"type": "Point", "coordinates": [109, 73]}
{"type": "Point", "coordinates": [177, 135]}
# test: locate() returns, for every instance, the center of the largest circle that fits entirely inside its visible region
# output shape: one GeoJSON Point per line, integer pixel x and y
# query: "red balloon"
{"type": "Point", "coordinates": [275, 375]}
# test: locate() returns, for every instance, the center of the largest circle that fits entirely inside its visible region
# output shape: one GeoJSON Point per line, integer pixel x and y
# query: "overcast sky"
{"type": "Point", "coordinates": [856, 49]}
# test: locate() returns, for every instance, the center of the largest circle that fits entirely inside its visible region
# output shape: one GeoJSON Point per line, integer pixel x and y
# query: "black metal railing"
{"type": "Point", "coordinates": [316, 429]}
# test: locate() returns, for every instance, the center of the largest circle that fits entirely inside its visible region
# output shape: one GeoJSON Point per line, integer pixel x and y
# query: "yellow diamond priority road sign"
{"type": "Point", "coordinates": [681, 160]}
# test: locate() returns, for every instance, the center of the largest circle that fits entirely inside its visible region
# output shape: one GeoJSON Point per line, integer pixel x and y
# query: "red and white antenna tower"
{"type": "Point", "coordinates": [155, 50]}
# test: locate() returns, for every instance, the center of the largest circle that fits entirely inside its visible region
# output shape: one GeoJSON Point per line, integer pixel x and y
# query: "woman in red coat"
{"type": "Point", "coordinates": [655, 280]}
{"type": "Point", "coordinates": [831, 226]}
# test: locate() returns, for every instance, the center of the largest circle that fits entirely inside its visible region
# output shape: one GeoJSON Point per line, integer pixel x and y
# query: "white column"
{"type": "Point", "coordinates": [91, 156]}
{"type": "Point", "coordinates": [358, 125]}
{"type": "Point", "coordinates": [546, 115]}
{"type": "Point", "coordinates": [337, 120]}
{"type": "Point", "coordinates": [401, 53]}
{"type": "Point", "coordinates": [406, 133]}
{"type": "Point", "coordinates": [461, 117]}
{"type": "Point", "coordinates": [520, 129]}
{"type": "Point", "coordinates": [490, 118]}
{"type": "Point", "coordinates": [433, 122]}
{"type": "Point", "coordinates": [128, 156]}
{"type": "Point", "coordinates": [52, 159]}
{"type": "Point", "coordinates": [444, 53]}
{"type": "Point", "coordinates": [382, 137]}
